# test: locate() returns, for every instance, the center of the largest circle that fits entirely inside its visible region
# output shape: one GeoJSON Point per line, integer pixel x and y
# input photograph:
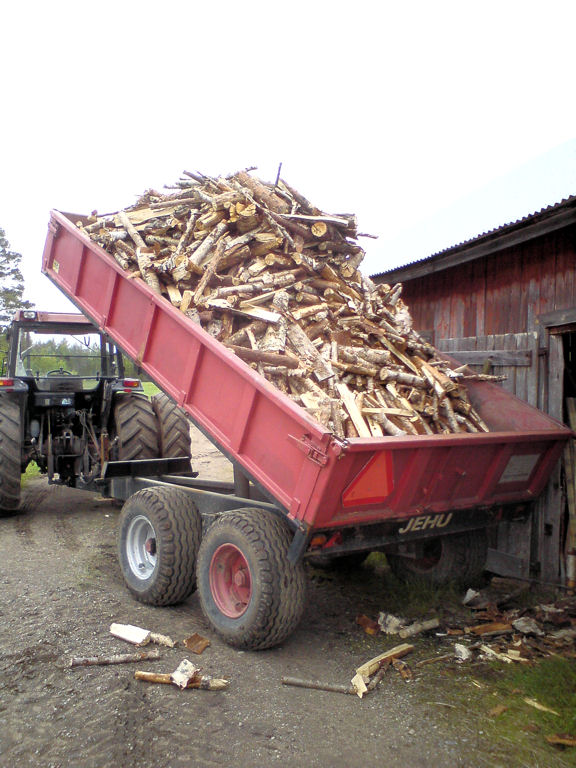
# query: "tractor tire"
{"type": "Point", "coordinates": [173, 427]}
{"type": "Point", "coordinates": [159, 537]}
{"type": "Point", "coordinates": [249, 592]}
{"type": "Point", "coordinates": [10, 455]}
{"type": "Point", "coordinates": [460, 558]}
{"type": "Point", "coordinates": [135, 428]}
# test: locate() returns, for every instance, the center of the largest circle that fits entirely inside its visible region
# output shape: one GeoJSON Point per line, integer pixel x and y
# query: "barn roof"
{"type": "Point", "coordinates": [548, 219]}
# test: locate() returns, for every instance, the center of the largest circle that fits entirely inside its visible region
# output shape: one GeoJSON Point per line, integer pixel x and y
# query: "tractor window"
{"type": "Point", "coordinates": [85, 356]}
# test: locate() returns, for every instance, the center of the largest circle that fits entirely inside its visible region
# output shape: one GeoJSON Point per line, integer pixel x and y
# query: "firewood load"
{"type": "Point", "coordinates": [277, 281]}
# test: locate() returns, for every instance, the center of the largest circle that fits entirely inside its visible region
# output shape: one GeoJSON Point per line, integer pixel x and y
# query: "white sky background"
{"type": "Point", "coordinates": [416, 116]}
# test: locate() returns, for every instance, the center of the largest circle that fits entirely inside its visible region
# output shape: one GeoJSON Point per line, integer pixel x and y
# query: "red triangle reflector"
{"type": "Point", "coordinates": [373, 484]}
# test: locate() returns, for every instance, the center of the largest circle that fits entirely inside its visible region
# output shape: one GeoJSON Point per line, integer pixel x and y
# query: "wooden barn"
{"type": "Point", "coordinates": [505, 303]}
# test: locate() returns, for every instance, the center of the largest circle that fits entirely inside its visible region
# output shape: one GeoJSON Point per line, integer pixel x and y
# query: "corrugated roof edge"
{"type": "Point", "coordinates": [533, 225]}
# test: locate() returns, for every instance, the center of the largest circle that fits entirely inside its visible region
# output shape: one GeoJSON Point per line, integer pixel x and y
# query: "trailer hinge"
{"type": "Point", "coordinates": [314, 453]}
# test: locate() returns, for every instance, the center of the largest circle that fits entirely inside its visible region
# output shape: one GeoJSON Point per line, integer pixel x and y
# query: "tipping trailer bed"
{"type": "Point", "coordinates": [427, 501]}
{"type": "Point", "coordinates": [319, 482]}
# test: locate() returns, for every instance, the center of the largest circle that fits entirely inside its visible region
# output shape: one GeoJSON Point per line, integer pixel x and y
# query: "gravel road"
{"type": "Point", "coordinates": [61, 590]}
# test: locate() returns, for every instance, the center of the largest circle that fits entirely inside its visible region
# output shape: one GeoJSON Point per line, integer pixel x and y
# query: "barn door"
{"type": "Point", "coordinates": [515, 356]}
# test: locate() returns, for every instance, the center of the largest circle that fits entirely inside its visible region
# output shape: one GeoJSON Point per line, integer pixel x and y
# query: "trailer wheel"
{"type": "Point", "coordinates": [249, 592]}
{"type": "Point", "coordinates": [160, 532]}
{"type": "Point", "coordinates": [460, 557]}
{"type": "Point", "coordinates": [135, 428]}
{"type": "Point", "coordinates": [173, 427]}
{"type": "Point", "coordinates": [10, 455]}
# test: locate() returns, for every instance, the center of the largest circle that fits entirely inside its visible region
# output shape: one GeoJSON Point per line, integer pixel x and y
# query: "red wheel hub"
{"type": "Point", "coordinates": [230, 581]}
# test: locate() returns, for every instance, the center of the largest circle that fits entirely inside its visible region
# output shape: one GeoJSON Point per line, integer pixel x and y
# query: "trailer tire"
{"type": "Point", "coordinates": [250, 593]}
{"type": "Point", "coordinates": [135, 428]}
{"type": "Point", "coordinates": [459, 557]}
{"type": "Point", "coordinates": [159, 536]}
{"type": "Point", "coordinates": [173, 427]}
{"type": "Point", "coordinates": [10, 455]}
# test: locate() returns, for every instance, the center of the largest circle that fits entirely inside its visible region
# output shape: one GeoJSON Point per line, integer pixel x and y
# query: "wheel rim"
{"type": "Point", "coordinates": [230, 581]}
{"type": "Point", "coordinates": [141, 547]}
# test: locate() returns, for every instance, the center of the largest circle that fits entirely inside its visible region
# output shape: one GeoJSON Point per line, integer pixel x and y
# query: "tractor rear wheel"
{"type": "Point", "coordinates": [135, 428]}
{"type": "Point", "coordinates": [10, 455]}
{"type": "Point", "coordinates": [173, 427]}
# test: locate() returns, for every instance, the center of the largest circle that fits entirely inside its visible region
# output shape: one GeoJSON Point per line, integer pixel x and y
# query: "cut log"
{"type": "Point", "coordinates": [370, 667]}
{"type": "Point", "coordinates": [174, 295]}
{"type": "Point", "coordinates": [307, 352]}
{"type": "Point", "coordinates": [316, 685]}
{"type": "Point", "coordinates": [200, 255]}
{"type": "Point", "coordinates": [263, 194]}
{"type": "Point", "coordinates": [261, 356]}
{"type": "Point", "coordinates": [353, 410]}
{"type": "Point", "coordinates": [120, 658]}
{"type": "Point", "coordinates": [260, 268]}
{"type": "Point", "coordinates": [198, 681]}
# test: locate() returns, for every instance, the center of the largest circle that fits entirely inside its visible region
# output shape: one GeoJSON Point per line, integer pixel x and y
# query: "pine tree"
{"type": "Point", "coordinates": [11, 283]}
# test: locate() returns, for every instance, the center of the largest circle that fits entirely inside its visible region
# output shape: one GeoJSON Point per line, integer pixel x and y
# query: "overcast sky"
{"type": "Point", "coordinates": [432, 121]}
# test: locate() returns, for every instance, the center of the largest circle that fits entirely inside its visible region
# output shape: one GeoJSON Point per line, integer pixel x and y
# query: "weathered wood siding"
{"type": "Point", "coordinates": [499, 294]}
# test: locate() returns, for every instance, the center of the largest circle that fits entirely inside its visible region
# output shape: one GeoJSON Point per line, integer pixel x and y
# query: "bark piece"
{"type": "Point", "coordinates": [196, 643]}
{"type": "Point", "coordinates": [159, 639]}
{"type": "Point", "coordinates": [184, 673]}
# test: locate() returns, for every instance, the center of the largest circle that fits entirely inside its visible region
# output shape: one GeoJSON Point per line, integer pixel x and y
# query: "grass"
{"type": "Point", "coordinates": [493, 697]}
{"type": "Point", "coordinates": [551, 682]}
{"type": "Point", "coordinates": [150, 388]}
{"type": "Point", "coordinates": [32, 470]}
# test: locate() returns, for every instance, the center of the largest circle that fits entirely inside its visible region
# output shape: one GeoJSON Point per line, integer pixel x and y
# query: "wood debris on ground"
{"type": "Point", "coordinates": [196, 643]}
{"type": "Point", "coordinates": [367, 677]}
{"type": "Point", "coordinates": [375, 668]}
{"type": "Point", "coordinates": [519, 634]}
{"type": "Point", "coordinates": [186, 675]}
{"type": "Point", "coordinates": [139, 636]}
{"type": "Point", "coordinates": [277, 281]}
{"type": "Point", "coordinates": [395, 625]}
{"type": "Point", "coordinates": [120, 658]}
{"type": "Point", "coordinates": [498, 630]}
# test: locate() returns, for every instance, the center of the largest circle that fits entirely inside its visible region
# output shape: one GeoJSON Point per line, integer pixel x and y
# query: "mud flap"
{"type": "Point", "coordinates": [298, 545]}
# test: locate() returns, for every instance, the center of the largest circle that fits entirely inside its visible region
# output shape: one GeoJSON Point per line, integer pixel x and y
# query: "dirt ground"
{"type": "Point", "coordinates": [61, 590]}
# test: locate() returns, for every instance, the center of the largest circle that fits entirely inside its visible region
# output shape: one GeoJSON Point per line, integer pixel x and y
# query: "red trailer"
{"type": "Point", "coordinates": [426, 500]}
